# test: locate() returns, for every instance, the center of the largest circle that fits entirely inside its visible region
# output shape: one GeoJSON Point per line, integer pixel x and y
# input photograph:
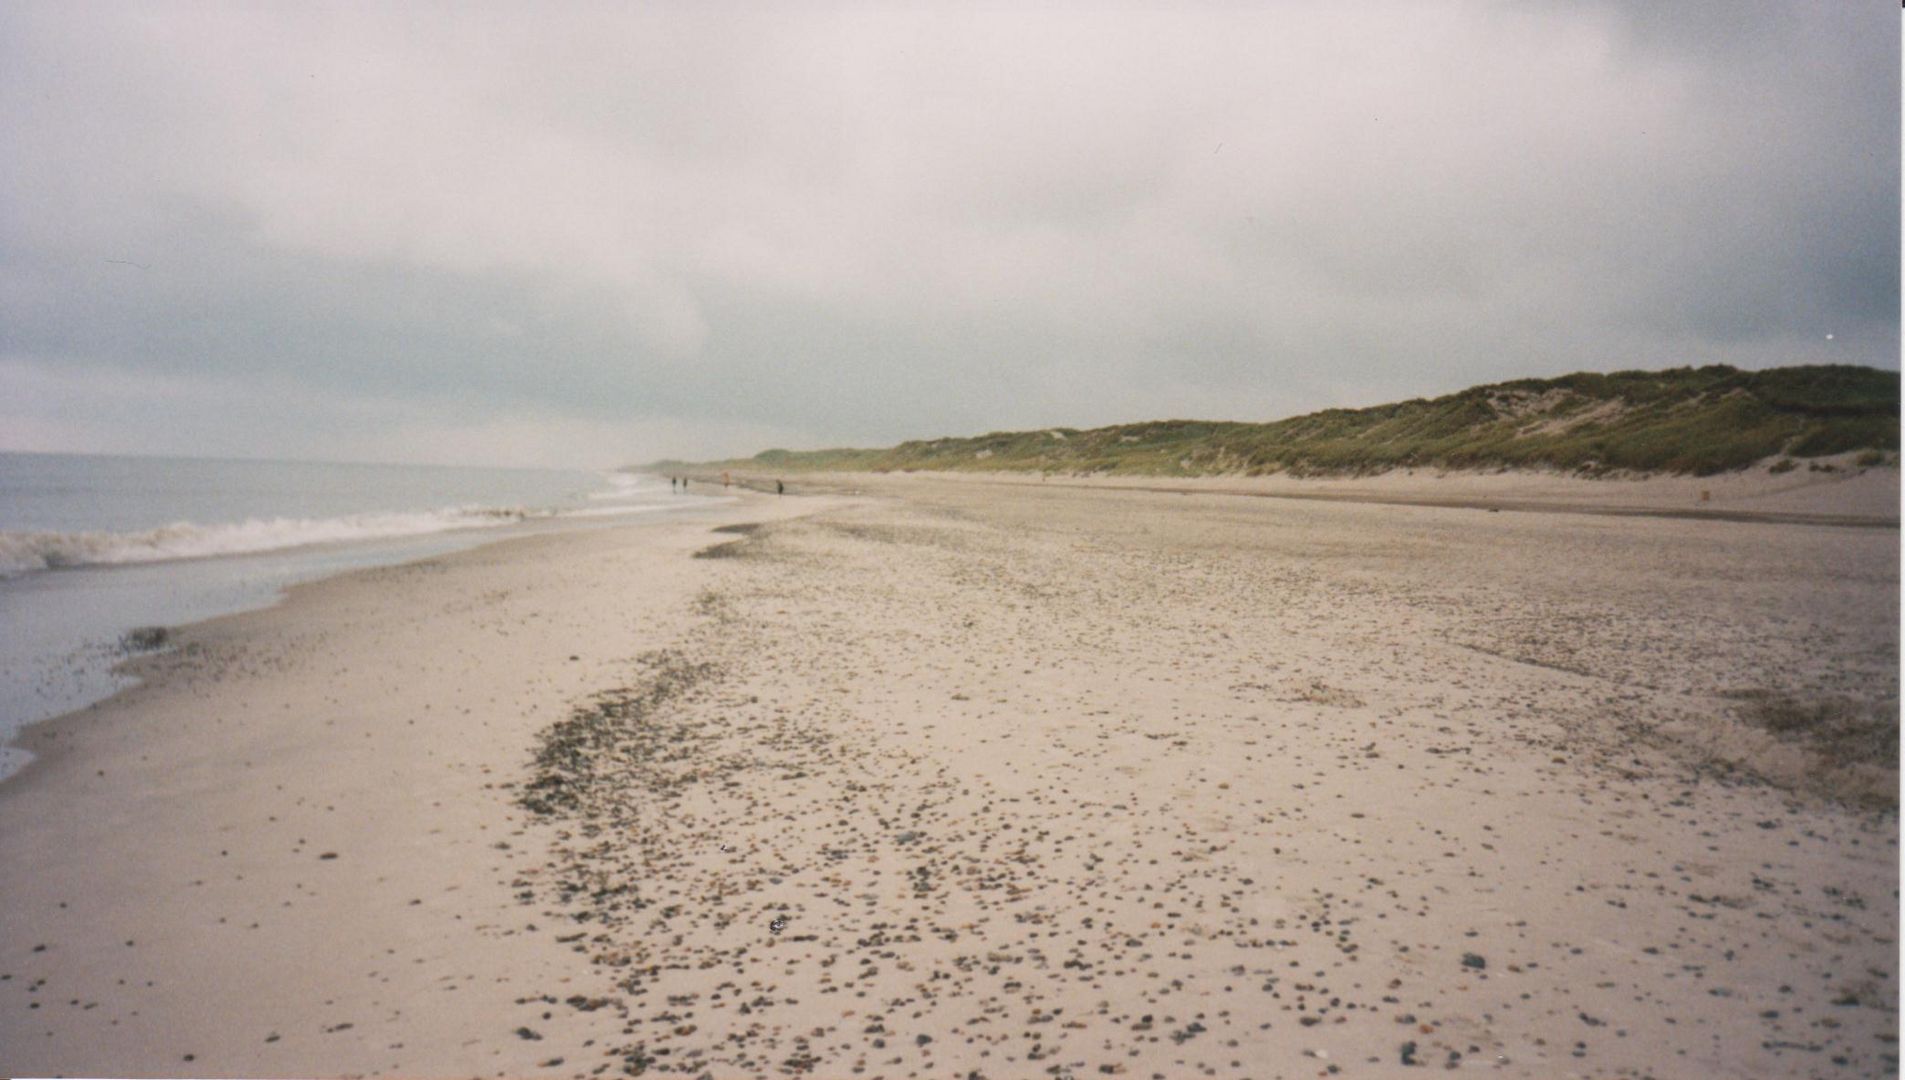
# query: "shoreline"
{"type": "Point", "coordinates": [219, 597]}
{"type": "Point", "coordinates": [987, 777]}
{"type": "Point", "coordinates": [148, 667]}
{"type": "Point", "coordinates": [229, 858]}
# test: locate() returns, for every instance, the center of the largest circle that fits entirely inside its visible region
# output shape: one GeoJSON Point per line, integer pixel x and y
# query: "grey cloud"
{"type": "Point", "coordinates": [858, 224]}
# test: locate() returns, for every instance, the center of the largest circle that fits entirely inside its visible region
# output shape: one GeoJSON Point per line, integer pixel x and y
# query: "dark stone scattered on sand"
{"type": "Point", "coordinates": [145, 639]}
{"type": "Point", "coordinates": [528, 1033]}
{"type": "Point", "coordinates": [695, 797]}
{"type": "Point", "coordinates": [729, 550]}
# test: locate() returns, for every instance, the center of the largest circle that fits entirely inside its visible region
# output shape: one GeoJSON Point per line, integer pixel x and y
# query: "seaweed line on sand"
{"type": "Point", "coordinates": [612, 733]}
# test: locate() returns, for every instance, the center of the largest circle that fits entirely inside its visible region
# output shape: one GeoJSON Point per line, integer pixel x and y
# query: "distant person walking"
{"type": "Point", "coordinates": [780, 488]}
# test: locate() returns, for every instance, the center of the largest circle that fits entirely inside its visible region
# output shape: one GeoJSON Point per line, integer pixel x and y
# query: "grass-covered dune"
{"type": "Point", "coordinates": [1684, 420]}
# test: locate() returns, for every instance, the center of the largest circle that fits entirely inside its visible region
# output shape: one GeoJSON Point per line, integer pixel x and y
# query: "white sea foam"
{"type": "Point", "coordinates": [622, 486]}
{"type": "Point", "coordinates": [24, 552]}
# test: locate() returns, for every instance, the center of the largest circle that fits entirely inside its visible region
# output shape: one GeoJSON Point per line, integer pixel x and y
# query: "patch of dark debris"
{"type": "Point", "coordinates": [749, 546]}
{"type": "Point", "coordinates": [613, 732]}
{"type": "Point", "coordinates": [1838, 729]}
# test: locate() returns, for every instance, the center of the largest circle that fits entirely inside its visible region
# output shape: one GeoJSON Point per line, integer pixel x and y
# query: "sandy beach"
{"type": "Point", "coordinates": [923, 777]}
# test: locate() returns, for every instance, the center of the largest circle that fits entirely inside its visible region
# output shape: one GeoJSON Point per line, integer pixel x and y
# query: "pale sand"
{"type": "Point", "coordinates": [166, 850]}
{"type": "Point", "coordinates": [1835, 489]}
{"type": "Point", "coordinates": [1015, 779]}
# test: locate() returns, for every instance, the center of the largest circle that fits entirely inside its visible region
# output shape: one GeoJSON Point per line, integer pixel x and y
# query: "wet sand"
{"type": "Point", "coordinates": [951, 777]}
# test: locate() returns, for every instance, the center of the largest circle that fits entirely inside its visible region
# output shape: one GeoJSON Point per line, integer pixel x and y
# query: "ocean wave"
{"type": "Point", "coordinates": [25, 552]}
{"type": "Point", "coordinates": [623, 486]}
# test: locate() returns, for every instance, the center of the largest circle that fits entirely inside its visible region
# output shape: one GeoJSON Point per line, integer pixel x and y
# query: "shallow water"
{"type": "Point", "coordinates": [93, 547]}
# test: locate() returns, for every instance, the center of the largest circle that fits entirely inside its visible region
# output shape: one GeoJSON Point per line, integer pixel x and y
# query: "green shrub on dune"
{"type": "Point", "coordinates": [1684, 420]}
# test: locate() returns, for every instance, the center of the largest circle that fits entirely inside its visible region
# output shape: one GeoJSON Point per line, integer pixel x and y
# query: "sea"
{"type": "Point", "coordinates": [95, 547]}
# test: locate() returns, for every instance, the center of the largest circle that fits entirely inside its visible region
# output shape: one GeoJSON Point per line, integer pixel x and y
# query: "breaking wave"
{"type": "Point", "coordinates": [623, 486]}
{"type": "Point", "coordinates": [25, 552]}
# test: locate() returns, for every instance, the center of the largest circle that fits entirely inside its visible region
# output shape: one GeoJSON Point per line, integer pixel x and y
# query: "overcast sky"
{"type": "Point", "coordinates": [582, 234]}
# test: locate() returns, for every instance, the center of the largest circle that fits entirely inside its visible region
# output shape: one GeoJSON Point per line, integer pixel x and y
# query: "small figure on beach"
{"type": "Point", "coordinates": [780, 488]}
{"type": "Point", "coordinates": [725, 482]}
{"type": "Point", "coordinates": [673, 483]}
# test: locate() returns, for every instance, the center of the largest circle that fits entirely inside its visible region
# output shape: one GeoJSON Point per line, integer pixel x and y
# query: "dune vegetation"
{"type": "Point", "coordinates": [1683, 420]}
